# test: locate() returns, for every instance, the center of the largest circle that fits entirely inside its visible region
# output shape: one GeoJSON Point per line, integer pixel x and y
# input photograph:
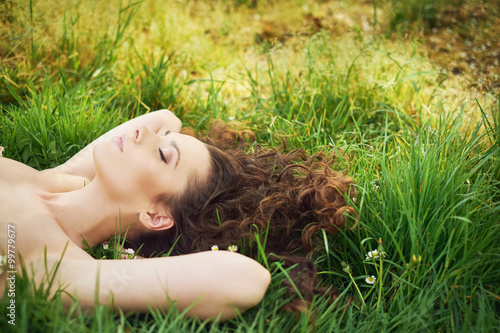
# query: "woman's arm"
{"type": "Point", "coordinates": [82, 164]}
{"type": "Point", "coordinates": [214, 283]}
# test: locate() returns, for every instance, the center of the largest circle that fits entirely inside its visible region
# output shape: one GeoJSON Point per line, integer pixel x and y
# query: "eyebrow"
{"type": "Point", "coordinates": [174, 144]}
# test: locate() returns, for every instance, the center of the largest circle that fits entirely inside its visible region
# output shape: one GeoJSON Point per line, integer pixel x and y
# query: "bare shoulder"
{"type": "Point", "coordinates": [15, 174]}
{"type": "Point", "coordinates": [30, 236]}
{"type": "Point", "coordinates": [13, 171]}
{"type": "Point", "coordinates": [25, 223]}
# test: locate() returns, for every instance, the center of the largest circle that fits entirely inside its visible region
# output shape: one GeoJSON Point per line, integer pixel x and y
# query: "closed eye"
{"type": "Point", "coordinates": [162, 156]}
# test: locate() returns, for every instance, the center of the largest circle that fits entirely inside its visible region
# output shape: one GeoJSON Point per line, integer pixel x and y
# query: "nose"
{"type": "Point", "coordinates": [142, 133]}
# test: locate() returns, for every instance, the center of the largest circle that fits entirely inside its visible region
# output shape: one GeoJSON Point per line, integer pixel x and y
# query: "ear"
{"type": "Point", "coordinates": [156, 221]}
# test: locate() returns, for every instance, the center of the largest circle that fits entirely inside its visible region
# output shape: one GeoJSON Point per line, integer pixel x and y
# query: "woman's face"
{"type": "Point", "coordinates": [143, 165]}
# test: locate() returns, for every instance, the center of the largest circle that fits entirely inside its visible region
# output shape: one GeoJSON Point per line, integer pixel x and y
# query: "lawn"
{"type": "Point", "coordinates": [406, 95]}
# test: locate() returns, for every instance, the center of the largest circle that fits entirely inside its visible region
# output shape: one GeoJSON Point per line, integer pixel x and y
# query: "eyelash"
{"type": "Point", "coordinates": [162, 156]}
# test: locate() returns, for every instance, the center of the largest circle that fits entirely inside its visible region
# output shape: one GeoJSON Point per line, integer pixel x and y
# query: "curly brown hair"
{"type": "Point", "coordinates": [283, 198]}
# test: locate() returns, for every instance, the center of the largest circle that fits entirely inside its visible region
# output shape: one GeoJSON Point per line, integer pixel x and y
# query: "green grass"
{"type": "Point", "coordinates": [424, 11]}
{"type": "Point", "coordinates": [427, 171]}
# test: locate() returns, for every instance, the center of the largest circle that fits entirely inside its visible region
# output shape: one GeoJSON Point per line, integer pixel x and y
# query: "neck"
{"type": "Point", "coordinates": [87, 215]}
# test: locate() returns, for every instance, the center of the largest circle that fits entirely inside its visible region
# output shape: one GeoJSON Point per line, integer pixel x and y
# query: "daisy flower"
{"type": "Point", "coordinates": [370, 279]}
{"type": "Point", "coordinates": [131, 253]}
{"type": "Point", "coordinates": [372, 254]}
{"type": "Point", "coordinates": [232, 248]}
{"type": "Point", "coordinates": [215, 248]}
{"type": "Point", "coordinates": [105, 246]}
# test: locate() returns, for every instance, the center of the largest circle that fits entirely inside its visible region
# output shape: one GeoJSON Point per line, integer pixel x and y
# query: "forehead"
{"type": "Point", "coordinates": [194, 156]}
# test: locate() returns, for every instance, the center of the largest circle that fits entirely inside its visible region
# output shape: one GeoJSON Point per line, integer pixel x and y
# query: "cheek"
{"type": "Point", "coordinates": [165, 182]}
{"type": "Point", "coordinates": [123, 174]}
{"type": "Point", "coordinates": [142, 170]}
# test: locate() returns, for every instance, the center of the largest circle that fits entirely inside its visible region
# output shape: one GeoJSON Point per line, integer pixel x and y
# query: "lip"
{"type": "Point", "coordinates": [118, 140]}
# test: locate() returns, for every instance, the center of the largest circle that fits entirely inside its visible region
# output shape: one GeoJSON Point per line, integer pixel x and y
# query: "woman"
{"type": "Point", "coordinates": [170, 192]}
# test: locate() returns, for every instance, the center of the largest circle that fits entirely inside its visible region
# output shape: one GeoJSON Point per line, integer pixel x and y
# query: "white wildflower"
{"type": "Point", "coordinates": [370, 279]}
{"type": "Point", "coordinates": [372, 254]}
{"type": "Point", "coordinates": [131, 253]}
{"type": "Point", "coordinates": [232, 248]}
